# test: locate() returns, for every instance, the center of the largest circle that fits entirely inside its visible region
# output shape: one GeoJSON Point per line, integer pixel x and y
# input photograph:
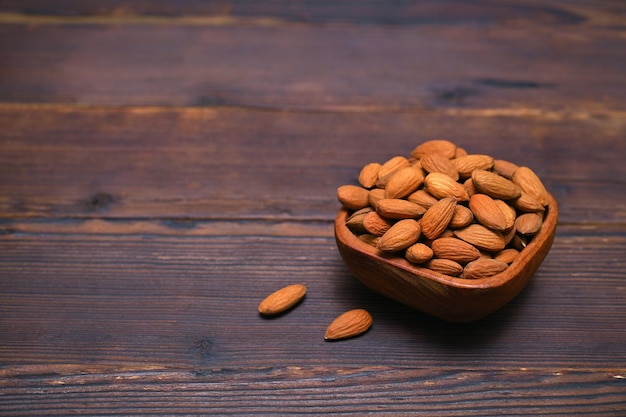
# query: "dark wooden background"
{"type": "Point", "coordinates": [166, 165]}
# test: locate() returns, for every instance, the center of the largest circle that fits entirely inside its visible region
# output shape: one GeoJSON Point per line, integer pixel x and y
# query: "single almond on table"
{"type": "Point", "coordinates": [282, 300]}
{"type": "Point", "coordinates": [454, 249]}
{"type": "Point", "coordinates": [487, 212]}
{"type": "Point", "coordinates": [494, 185]}
{"type": "Point", "coordinates": [403, 182]}
{"type": "Point", "coordinates": [437, 218]}
{"type": "Point", "coordinates": [349, 324]}
{"type": "Point", "coordinates": [399, 236]}
{"type": "Point", "coordinates": [442, 146]}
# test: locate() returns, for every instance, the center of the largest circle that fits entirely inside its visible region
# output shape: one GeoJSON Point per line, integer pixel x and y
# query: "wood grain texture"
{"type": "Point", "coordinates": [192, 301]}
{"type": "Point", "coordinates": [166, 165]}
{"type": "Point", "coordinates": [218, 164]}
{"type": "Point", "coordinates": [306, 390]}
{"type": "Point", "coordinates": [314, 68]}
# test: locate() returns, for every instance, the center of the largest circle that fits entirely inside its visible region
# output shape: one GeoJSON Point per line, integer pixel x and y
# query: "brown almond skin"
{"type": "Point", "coordinates": [462, 217]}
{"type": "Point", "coordinates": [494, 185]}
{"type": "Point", "coordinates": [353, 197]}
{"type": "Point", "coordinates": [507, 255]}
{"type": "Point", "coordinates": [483, 268]}
{"type": "Point", "coordinates": [465, 165]}
{"type": "Point", "coordinates": [422, 198]}
{"type": "Point", "coordinates": [436, 162]}
{"type": "Point", "coordinates": [455, 250]}
{"type": "Point", "coordinates": [528, 224]}
{"type": "Point", "coordinates": [441, 186]}
{"type": "Point", "coordinates": [487, 212]}
{"type": "Point", "coordinates": [355, 221]}
{"type": "Point", "coordinates": [282, 300]}
{"type": "Point", "coordinates": [504, 168]}
{"type": "Point", "coordinates": [442, 146]}
{"type": "Point", "coordinates": [399, 236]}
{"type": "Point", "coordinates": [418, 253]}
{"type": "Point", "coordinates": [396, 208]}
{"type": "Point", "coordinates": [349, 324]}
{"type": "Point", "coordinates": [392, 165]}
{"type": "Point", "coordinates": [445, 266]}
{"type": "Point", "coordinates": [403, 182]}
{"type": "Point", "coordinates": [375, 195]}
{"type": "Point", "coordinates": [437, 218]}
{"type": "Point", "coordinates": [369, 174]}
{"type": "Point", "coordinates": [530, 183]}
{"type": "Point", "coordinates": [375, 224]}
{"type": "Point", "coordinates": [481, 237]}
{"type": "Point", "coordinates": [527, 203]}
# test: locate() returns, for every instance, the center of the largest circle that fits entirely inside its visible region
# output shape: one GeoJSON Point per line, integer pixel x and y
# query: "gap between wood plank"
{"type": "Point", "coordinates": [522, 112]}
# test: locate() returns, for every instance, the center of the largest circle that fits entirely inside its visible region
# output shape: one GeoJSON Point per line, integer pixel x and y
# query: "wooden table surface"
{"type": "Point", "coordinates": [166, 165]}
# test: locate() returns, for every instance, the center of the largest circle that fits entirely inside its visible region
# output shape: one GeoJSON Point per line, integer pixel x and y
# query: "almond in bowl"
{"type": "Point", "coordinates": [474, 233]}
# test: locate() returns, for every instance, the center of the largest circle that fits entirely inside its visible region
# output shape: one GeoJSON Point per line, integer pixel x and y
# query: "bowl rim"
{"type": "Point", "coordinates": [344, 235]}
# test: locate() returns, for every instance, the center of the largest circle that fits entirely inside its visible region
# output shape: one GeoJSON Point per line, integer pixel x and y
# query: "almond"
{"type": "Point", "coordinates": [445, 266]}
{"type": "Point", "coordinates": [375, 224]}
{"type": "Point", "coordinates": [504, 168]}
{"type": "Point", "coordinates": [454, 249]}
{"type": "Point", "coordinates": [375, 195]}
{"type": "Point", "coordinates": [465, 165]}
{"type": "Point", "coordinates": [445, 147]}
{"type": "Point", "coordinates": [460, 152]}
{"type": "Point", "coordinates": [528, 203]}
{"type": "Point", "coordinates": [481, 237]}
{"type": "Point", "coordinates": [483, 268]}
{"type": "Point", "coordinates": [469, 187]}
{"type": "Point", "coordinates": [422, 198]}
{"type": "Point", "coordinates": [441, 186]}
{"type": "Point", "coordinates": [282, 300]}
{"type": "Point", "coordinates": [418, 253]}
{"type": "Point", "coordinates": [403, 182]}
{"type": "Point", "coordinates": [399, 236]}
{"type": "Point", "coordinates": [436, 162]}
{"type": "Point", "coordinates": [506, 255]}
{"type": "Point", "coordinates": [353, 197]}
{"type": "Point", "coordinates": [396, 208]}
{"type": "Point", "coordinates": [355, 221]}
{"type": "Point", "coordinates": [349, 324]}
{"type": "Point", "coordinates": [494, 185]}
{"type": "Point", "coordinates": [369, 174]}
{"type": "Point", "coordinates": [437, 218]}
{"type": "Point", "coordinates": [462, 217]}
{"type": "Point", "coordinates": [528, 224]}
{"type": "Point", "coordinates": [509, 213]}
{"type": "Point", "coordinates": [487, 212]}
{"type": "Point", "coordinates": [530, 183]}
{"type": "Point", "coordinates": [392, 165]}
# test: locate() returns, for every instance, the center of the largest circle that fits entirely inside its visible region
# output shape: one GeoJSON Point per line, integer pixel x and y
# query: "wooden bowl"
{"type": "Point", "coordinates": [451, 299]}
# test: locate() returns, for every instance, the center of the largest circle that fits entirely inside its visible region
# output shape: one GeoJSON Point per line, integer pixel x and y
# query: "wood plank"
{"type": "Point", "coordinates": [320, 390]}
{"type": "Point", "coordinates": [379, 12]}
{"type": "Point", "coordinates": [310, 67]}
{"type": "Point", "coordinates": [191, 302]}
{"type": "Point", "coordinates": [202, 164]}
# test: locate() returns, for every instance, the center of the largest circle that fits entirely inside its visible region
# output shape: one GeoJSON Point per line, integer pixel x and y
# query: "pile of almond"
{"type": "Point", "coordinates": [459, 214]}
